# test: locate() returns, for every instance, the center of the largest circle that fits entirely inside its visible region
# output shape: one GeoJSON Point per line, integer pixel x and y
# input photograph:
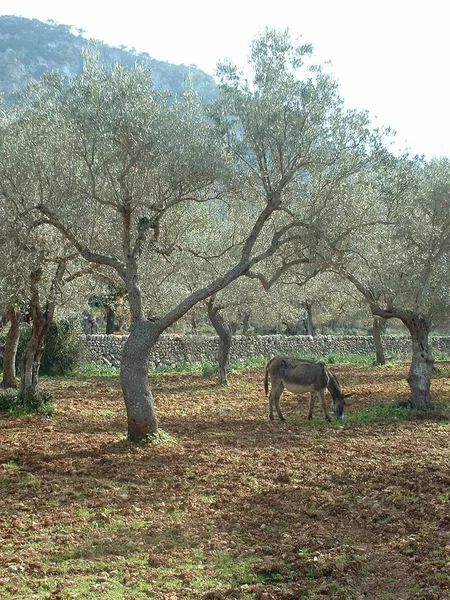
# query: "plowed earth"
{"type": "Point", "coordinates": [238, 507]}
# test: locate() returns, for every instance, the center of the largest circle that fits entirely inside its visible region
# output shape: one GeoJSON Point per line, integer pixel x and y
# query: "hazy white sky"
{"type": "Point", "coordinates": [390, 56]}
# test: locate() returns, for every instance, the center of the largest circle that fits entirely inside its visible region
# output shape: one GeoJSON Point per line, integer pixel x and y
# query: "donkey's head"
{"type": "Point", "coordinates": [337, 395]}
{"type": "Point", "coordinates": [339, 404]}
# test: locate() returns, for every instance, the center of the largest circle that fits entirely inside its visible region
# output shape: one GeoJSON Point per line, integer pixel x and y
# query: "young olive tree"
{"type": "Point", "coordinates": [120, 161]}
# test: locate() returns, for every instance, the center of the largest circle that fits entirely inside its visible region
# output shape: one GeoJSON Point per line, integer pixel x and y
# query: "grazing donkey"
{"type": "Point", "coordinates": [301, 376]}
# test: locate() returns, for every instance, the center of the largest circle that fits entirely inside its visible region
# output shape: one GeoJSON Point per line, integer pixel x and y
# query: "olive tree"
{"type": "Point", "coordinates": [401, 267]}
{"type": "Point", "coordinates": [120, 162]}
{"type": "Point", "coordinates": [35, 272]}
{"type": "Point", "coordinates": [12, 297]}
{"type": "Point", "coordinates": [37, 260]}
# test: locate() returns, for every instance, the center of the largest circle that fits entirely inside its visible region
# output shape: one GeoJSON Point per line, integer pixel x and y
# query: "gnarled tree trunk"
{"type": "Point", "coordinates": [110, 320]}
{"type": "Point", "coordinates": [421, 370]}
{"type": "Point", "coordinates": [309, 321]}
{"type": "Point", "coordinates": [11, 343]}
{"type": "Point", "coordinates": [378, 324]}
{"type": "Point", "coordinates": [41, 321]}
{"type": "Point", "coordinates": [224, 333]}
{"type": "Point", "coordinates": [141, 415]}
{"type": "Point", "coordinates": [31, 359]}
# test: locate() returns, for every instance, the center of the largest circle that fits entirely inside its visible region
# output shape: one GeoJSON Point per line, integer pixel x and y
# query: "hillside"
{"type": "Point", "coordinates": [29, 48]}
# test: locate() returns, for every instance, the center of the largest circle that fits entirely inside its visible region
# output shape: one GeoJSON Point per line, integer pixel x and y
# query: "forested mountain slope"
{"type": "Point", "coordinates": [29, 48]}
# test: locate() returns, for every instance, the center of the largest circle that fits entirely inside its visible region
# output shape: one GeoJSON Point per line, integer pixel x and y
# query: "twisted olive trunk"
{"type": "Point", "coordinates": [378, 324]}
{"type": "Point", "coordinates": [309, 321]}
{"type": "Point", "coordinates": [421, 370]}
{"type": "Point", "coordinates": [224, 333]}
{"type": "Point", "coordinates": [31, 359]}
{"type": "Point", "coordinates": [41, 321]}
{"type": "Point", "coordinates": [141, 415]}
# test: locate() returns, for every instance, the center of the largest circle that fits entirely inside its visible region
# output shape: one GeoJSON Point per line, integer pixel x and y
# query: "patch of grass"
{"type": "Point", "coordinates": [213, 574]}
{"type": "Point", "coordinates": [159, 438]}
{"type": "Point", "coordinates": [181, 368]}
{"type": "Point", "coordinates": [388, 412]}
{"type": "Point", "coordinates": [209, 369]}
{"type": "Point", "coordinates": [380, 412]}
{"type": "Point", "coordinates": [336, 358]}
{"type": "Point", "coordinates": [91, 370]}
{"type": "Point", "coordinates": [102, 412]}
{"type": "Point", "coordinates": [441, 355]}
{"type": "Point", "coordinates": [250, 362]}
{"type": "Point", "coordinates": [377, 412]}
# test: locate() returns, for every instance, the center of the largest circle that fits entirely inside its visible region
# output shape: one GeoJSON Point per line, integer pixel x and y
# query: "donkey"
{"type": "Point", "coordinates": [301, 376]}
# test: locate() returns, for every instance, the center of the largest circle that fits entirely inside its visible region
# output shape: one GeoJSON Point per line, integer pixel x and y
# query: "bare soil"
{"type": "Point", "coordinates": [237, 507]}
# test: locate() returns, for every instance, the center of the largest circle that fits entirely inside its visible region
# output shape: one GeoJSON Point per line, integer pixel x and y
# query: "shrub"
{"type": "Point", "coordinates": [210, 369]}
{"type": "Point", "coordinates": [40, 402]}
{"type": "Point", "coordinates": [64, 350]}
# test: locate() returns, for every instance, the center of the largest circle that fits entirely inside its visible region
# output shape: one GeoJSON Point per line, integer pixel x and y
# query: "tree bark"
{"type": "Point", "coordinates": [309, 322]}
{"type": "Point", "coordinates": [378, 324]}
{"type": "Point", "coordinates": [110, 322]}
{"type": "Point", "coordinates": [41, 321]}
{"type": "Point", "coordinates": [224, 333]}
{"type": "Point", "coordinates": [31, 359]}
{"type": "Point", "coordinates": [421, 370]}
{"type": "Point", "coordinates": [11, 343]}
{"type": "Point", "coordinates": [141, 415]}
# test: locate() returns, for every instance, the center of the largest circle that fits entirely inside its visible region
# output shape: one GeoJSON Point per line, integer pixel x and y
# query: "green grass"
{"type": "Point", "coordinates": [377, 413]}
{"type": "Point", "coordinates": [91, 577]}
{"type": "Point", "coordinates": [380, 412]}
{"type": "Point", "coordinates": [339, 358]}
{"type": "Point", "coordinates": [91, 370]}
{"type": "Point", "coordinates": [387, 412]}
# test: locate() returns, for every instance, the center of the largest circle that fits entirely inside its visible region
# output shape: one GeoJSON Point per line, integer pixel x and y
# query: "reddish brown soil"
{"type": "Point", "coordinates": [352, 511]}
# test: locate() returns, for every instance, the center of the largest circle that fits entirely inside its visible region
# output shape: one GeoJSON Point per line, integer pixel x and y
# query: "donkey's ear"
{"type": "Point", "coordinates": [348, 395]}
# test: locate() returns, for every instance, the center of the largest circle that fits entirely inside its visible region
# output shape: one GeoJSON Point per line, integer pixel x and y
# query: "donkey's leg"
{"type": "Point", "coordinates": [271, 404]}
{"type": "Point", "coordinates": [312, 399]}
{"type": "Point", "coordinates": [271, 398]}
{"type": "Point", "coordinates": [324, 404]}
{"type": "Point", "coordinates": [274, 400]}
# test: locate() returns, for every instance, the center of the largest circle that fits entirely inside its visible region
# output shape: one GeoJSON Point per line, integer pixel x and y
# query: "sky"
{"type": "Point", "coordinates": [390, 57]}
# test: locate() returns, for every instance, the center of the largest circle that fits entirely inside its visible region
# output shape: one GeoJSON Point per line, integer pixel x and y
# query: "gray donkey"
{"type": "Point", "coordinates": [299, 376]}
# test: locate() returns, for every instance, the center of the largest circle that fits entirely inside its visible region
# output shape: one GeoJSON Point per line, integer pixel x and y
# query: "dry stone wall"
{"type": "Point", "coordinates": [176, 350]}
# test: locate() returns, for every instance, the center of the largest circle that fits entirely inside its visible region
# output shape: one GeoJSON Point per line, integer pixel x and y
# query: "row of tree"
{"type": "Point", "coordinates": [105, 181]}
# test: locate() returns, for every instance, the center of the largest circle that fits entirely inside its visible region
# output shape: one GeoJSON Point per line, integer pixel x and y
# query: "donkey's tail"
{"type": "Point", "coordinates": [266, 378]}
